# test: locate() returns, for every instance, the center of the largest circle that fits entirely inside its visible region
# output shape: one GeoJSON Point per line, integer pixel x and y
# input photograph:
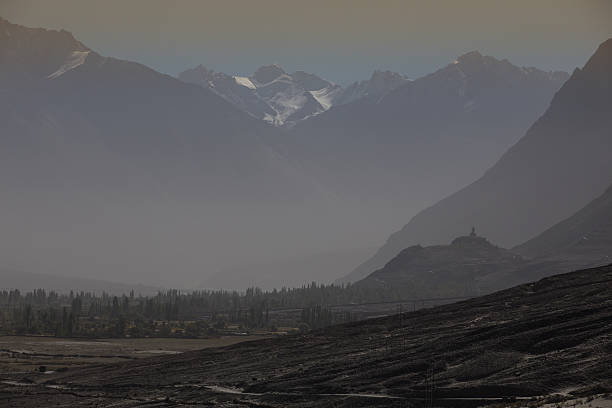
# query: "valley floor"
{"type": "Point", "coordinates": [25, 355]}
{"type": "Point", "coordinates": [547, 343]}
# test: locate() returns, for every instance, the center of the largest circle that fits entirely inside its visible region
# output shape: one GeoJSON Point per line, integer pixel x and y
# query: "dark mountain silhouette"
{"type": "Point", "coordinates": [547, 339]}
{"type": "Point", "coordinates": [562, 163]}
{"type": "Point", "coordinates": [416, 143]}
{"type": "Point", "coordinates": [469, 266]}
{"type": "Point", "coordinates": [584, 239]}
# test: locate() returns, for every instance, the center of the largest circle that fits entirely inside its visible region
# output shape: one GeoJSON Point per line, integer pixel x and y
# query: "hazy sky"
{"type": "Point", "coordinates": [340, 40]}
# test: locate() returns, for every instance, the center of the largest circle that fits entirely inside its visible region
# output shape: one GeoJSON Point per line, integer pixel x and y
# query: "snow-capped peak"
{"type": "Point", "coordinates": [283, 99]}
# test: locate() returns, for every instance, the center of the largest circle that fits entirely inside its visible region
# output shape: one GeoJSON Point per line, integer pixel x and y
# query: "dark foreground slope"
{"type": "Point", "coordinates": [533, 340]}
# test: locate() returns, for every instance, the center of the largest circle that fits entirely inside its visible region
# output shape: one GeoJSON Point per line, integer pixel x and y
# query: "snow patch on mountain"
{"type": "Point", "coordinates": [286, 104]}
{"type": "Point", "coordinates": [76, 58]}
{"type": "Point", "coordinates": [244, 81]}
{"type": "Point", "coordinates": [282, 99]}
{"type": "Point", "coordinates": [326, 96]}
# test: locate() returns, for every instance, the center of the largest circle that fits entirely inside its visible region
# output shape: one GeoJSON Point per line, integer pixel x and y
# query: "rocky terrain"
{"type": "Point", "coordinates": [584, 239]}
{"type": "Point", "coordinates": [530, 345]}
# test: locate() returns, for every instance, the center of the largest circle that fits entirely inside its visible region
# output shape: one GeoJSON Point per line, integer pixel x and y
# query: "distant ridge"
{"type": "Point", "coordinates": [284, 99]}
{"type": "Point", "coordinates": [583, 239]}
{"type": "Point", "coordinates": [270, 94]}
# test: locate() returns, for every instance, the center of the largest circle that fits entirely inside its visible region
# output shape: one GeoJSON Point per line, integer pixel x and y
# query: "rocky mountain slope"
{"type": "Point", "coordinates": [563, 157]}
{"type": "Point", "coordinates": [379, 84]}
{"type": "Point", "coordinates": [537, 343]}
{"type": "Point", "coordinates": [415, 144]}
{"type": "Point", "coordinates": [61, 96]}
{"type": "Point", "coordinates": [270, 93]}
{"type": "Point", "coordinates": [239, 91]}
{"type": "Point", "coordinates": [583, 239]}
{"type": "Point", "coordinates": [283, 99]}
{"type": "Point", "coordinates": [99, 155]}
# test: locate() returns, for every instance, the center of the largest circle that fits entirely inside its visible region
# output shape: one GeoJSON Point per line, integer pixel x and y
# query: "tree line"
{"type": "Point", "coordinates": [176, 313]}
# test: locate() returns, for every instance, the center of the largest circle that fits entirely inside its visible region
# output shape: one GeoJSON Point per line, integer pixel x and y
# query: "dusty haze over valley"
{"type": "Point", "coordinates": [306, 204]}
{"type": "Point", "coordinates": [113, 171]}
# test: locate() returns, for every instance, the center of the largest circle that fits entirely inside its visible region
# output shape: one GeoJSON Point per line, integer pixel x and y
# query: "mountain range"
{"type": "Point", "coordinates": [415, 144]}
{"type": "Point", "coordinates": [375, 139]}
{"type": "Point", "coordinates": [111, 169]}
{"type": "Point", "coordinates": [283, 99]}
{"type": "Point", "coordinates": [107, 164]}
{"type": "Point", "coordinates": [560, 165]}
{"type": "Point", "coordinates": [581, 240]}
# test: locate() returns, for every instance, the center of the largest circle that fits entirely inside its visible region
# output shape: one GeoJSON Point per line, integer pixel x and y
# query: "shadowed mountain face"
{"type": "Point", "coordinates": [561, 164]}
{"type": "Point", "coordinates": [112, 170]}
{"type": "Point", "coordinates": [536, 339]}
{"type": "Point", "coordinates": [414, 144]}
{"type": "Point", "coordinates": [238, 91]}
{"type": "Point", "coordinates": [62, 99]}
{"type": "Point", "coordinates": [379, 84]}
{"type": "Point", "coordinates": [469, 266]}
{"type": "Point", "coordinates": [584, 239]}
